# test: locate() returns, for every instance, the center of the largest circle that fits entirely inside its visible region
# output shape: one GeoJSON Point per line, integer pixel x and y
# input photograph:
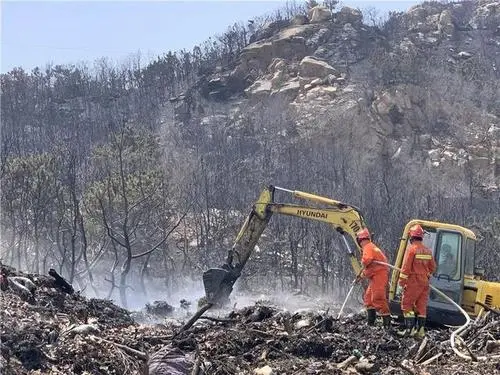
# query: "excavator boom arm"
{"type": "Point", "coordinates": [345, 219]}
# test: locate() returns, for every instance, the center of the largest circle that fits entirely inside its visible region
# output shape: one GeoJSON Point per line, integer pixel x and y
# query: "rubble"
{"type": "Point", "coordinates": [70, 334]}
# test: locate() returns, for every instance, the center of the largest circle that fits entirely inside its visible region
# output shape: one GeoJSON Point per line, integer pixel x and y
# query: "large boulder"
{"type": "Point", "coordinates": [319, 14]}
{"type": "Point", "coordinates": [425, 17]}
{"type": "Point", "coordinates": [221, 87]}
{"type": "Point", "coordinates": [387, 102]}
{"type": "Point", "coordinates": [349, 15]}
{"type": "Point", "coordinates": [289, 44]}
{"type": "Point", "coordinates": [288, 90]}
{"type": "Point", "coordinates": [319, 38]}
{"type": "Point", "coordinates": [416, 14]}
{"type": "Point", "coordinates": [445, 23]}
{"type": "Point", "coordinates": [259, 89]}
{"type": "Point", "coordinates": [277, 64]}
{"type": "Point", "coordinates": [279, 70]}
{"type": "Point", "coordinates": [313, 67]}
{"type": "Point", "coordinates": [278, 78]}
{"type": "Point", "coordinates": [268, 30]}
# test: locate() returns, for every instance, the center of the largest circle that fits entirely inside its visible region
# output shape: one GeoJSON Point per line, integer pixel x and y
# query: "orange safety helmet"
{"type": "Point", "coordinates": [363, 234]}
{"type": "Point", "coordinates": [416, 231]}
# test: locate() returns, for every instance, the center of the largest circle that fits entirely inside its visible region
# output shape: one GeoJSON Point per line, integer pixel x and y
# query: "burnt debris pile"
{"type": "Point", "coordinates": [47, 328]}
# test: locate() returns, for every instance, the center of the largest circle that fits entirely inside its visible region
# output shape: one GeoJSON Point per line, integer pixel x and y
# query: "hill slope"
{"type": "Point", "coordinates": [420, 91]}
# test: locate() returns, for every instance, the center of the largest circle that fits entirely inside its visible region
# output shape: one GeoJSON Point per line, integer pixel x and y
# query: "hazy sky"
{"type": "Point", "coordinates": [35, 33]}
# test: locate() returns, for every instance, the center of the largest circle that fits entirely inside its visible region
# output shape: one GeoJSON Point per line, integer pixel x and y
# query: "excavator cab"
{"type": "Point", "coordinates": [453, 248]}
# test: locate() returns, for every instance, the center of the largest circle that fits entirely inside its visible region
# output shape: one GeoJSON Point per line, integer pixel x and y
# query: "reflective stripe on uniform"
{"type": "Point", "coordinates": [409, 314]}
{"type": "Point", "coordinates": [423, 256]}
{"type": "Point", "coordinates": [403, 276]}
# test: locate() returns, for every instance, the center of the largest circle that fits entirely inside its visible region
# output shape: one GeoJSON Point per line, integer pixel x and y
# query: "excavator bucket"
{"type": "Point", "coordinates": [213, 281]}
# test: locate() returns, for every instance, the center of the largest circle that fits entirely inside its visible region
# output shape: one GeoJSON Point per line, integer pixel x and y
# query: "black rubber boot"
{"type": "Point", "coordinates": [386, 320]}
{"type": "Point", "coordinates": [409, 324]}
{"type": "Point", "coordinates": [420, 331]}
{"type": "Point", "coordinates": [371, 315]}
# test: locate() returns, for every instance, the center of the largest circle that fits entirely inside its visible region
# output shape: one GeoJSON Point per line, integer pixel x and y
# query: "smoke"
{"type": "Point", "coordinates": [293, 302]}
{"type": "Point", "coordinates": [189, 290]}
{"type": "Point", "coordinates": [247, 292]}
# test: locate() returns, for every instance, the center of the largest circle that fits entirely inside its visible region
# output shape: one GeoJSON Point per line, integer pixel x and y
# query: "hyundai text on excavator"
{"type": "Point", "coordinates": [453, 248]}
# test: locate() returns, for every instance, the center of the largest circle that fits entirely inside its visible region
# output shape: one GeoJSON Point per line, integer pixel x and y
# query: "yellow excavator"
{"type": "Point", "coordinates": [453, 248]}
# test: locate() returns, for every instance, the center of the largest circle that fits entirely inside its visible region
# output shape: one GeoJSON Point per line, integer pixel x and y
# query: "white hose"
{"type": "Point", "coordinates": [459, 329]}
{"type": "Point", "coordinates": [346, 298]}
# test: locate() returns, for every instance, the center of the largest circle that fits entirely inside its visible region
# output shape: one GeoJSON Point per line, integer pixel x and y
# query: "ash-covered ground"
{"type": "Point", "coordinates": [49, 331]}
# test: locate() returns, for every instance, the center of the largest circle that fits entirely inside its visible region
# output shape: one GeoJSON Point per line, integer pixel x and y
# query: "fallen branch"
{"type": "Point", "coordinates": [432, 359]}
{"type": "Point", "coordinates": [197, 363]}
{"type": "Point", "coordinates": [24, 281]}
{"type": "Point", "coordinates": [125, 348]}
{"type": "Point", "coordinates": [406, 368]}
{"type": "Point", "coordinates": [60, 282]}
{"type": "Point", "coordinates": [194, 318]}
{"type": "Point", "coordinates": [350, 360]}
{"type": "Point", "coordinates": [219, 320]}
{"type": "Point", "coordinates": [421, 349]}
{"type": "Point", "coordinates": [23, 287]}
{"type": "Point", "coordinates": [162, 337]}
{"type": "Point", "coordinates": [462, 342]}
{"type": "Point", "coordinates": [256, 331]}
{"type": "Point", "coordinates": [317, 325]}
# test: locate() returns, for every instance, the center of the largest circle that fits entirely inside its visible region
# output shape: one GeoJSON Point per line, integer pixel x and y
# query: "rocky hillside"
{"type": "Point", "coordinates": [421, 90]}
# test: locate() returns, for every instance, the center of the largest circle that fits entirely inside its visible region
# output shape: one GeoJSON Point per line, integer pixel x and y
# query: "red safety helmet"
{"type": "Point", "coordinates": [363, 234]}
{"type": "Point", "coordinates": [416, 231]}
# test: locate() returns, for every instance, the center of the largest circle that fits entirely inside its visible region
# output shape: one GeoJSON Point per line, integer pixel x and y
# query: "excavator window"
{"type": "Point", "coordinates": [429, 239]}
{"type": "Point", "coordinates": [470, 253]}
{"type": "Point", "coordinates": [448, 256]}
{"type": "Point", "coordinates": [448, 276]}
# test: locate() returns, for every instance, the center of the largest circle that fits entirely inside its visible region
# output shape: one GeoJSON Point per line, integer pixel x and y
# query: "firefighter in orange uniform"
{"type": "Point", "coordinates": [418, 266]}
{"type": "Point", "coordinates": [375, 298]}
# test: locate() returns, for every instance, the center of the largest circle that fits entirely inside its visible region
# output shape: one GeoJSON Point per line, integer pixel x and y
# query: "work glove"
{"type": "Point", "coordinates": [360, 275]}
{"type": "Point", "coordinates": [399, 292]}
